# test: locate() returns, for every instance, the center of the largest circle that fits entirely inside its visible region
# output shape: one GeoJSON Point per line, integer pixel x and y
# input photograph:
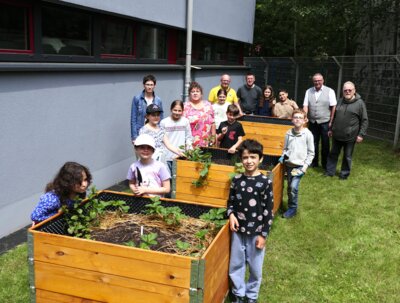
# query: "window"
{"type": "Point", "coordinates": [66, 32]}
{"type": "Point", "coordinates": [152, 43]}
{"type": "Point", "coordinates": [117, 38]}
{"type": "Point", "coordinates": [203, 49]}
{"type": "Point", "coordinates": [15, 28]}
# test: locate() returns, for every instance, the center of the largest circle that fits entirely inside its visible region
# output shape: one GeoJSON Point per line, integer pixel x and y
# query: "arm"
{"type": "Point", "coordinates": [172, 148]}
{"type": "Point", "coordinates": [267, 214]}
{"type": "Point", "coordinates": [364, 124]}
{"type": "Point", "coordinates": [310, 151]}
{"type": "Point", "coordinates": [305, 102]}
{"type": "Point", "coordinates": [233, 148]}
{"type": "Point", "coordinates": [134, 133]}
{"type": "Point", "coordinates": [143, 190]}
{"type": "Point", "coordinates": [233, 221]}
{"type": "Point", "coordinates": [333, 110]}
{"type": "Point", "coordinates": [49, 204]}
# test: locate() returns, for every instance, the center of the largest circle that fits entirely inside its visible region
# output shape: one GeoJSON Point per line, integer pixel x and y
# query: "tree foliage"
{"type": "Point", "coordinates": [317, 29]}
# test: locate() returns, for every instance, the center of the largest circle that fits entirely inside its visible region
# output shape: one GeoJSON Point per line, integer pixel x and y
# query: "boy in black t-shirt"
{"type": "Point", "coordinates": [230, 133]}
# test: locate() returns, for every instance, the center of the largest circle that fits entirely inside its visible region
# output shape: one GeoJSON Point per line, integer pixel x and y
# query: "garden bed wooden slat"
{"type": "Point", "coordinates": [44, 296]}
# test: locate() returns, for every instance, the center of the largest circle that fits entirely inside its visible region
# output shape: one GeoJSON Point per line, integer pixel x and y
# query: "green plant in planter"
{"type": "Point", "coordinates": [198, 155]}
{"type": "Point", "coordinates": [81, 216]}
{"type": "Point", "coordinates": [182, 246]}
{"type": "Point", "coordinates": [216, 216]}
{"type": "Point", "coordinates": [239, 169]}
{"type": "Point", "coordinates": [148, 240]}
{"type": "Point", "coordinates": [170, 215]}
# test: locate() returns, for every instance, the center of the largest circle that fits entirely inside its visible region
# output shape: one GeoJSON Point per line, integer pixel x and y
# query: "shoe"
{"type": "Point", "coordinates": [237, 299]}
{"type": "Point", "coordinates": [343, 177]}
{"type": "Point", "coordinates": [291, 212]}
{"type": "Point", "coordinates": [251, 300]}
{"type": "Point", "coordinates": [327, 175]}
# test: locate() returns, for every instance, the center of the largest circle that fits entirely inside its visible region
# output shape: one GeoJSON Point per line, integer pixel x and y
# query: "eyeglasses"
{"type": "Point", "coordinates": [298, 117]}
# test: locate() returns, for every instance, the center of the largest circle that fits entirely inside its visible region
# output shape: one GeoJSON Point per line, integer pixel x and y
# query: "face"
{"type": "Point", "coordinates": [225, 81]}
{"type": "Point", "coordinates": [348, 91]}
{"type": "Point", "coordinates": [221, 98]}
{"type": "Point", "coordinates": [176, 112]}
{"type": "Point", "coordinates": [250, 162]}
{"type": "Point", "coordinates": [267, 93]}
{"type": "Point", "coordinates": [149, 86]}
{"type": "Point", "coordinates": [145, 152]}
{"type": "Point", "coordinates": [250, 80]}
{"type": "Point", "coordinates": [283, 96]}
{"type": "Point", "coordinates": [82, 187]}
{"type": "Point", "coordinates": [318, 82]}
{"type": "Point", "coordinates": [195, 94]}
{"type": "Point", "coordinates": [153, 118]}
{"type": "Point", "coordinates": [230, 117]}
{"type": "Point", "coordinates": [298, 120]}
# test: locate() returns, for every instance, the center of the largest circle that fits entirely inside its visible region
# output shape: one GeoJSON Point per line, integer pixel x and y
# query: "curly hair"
{"type": "Point", "coordinates": [70, 174]}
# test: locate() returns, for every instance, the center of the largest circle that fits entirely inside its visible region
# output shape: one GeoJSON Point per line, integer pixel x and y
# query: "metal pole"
{"type": "Point", "coordinates": [265, 71]}
{"type": "Point", "coordinates": [397, 129]}
{"type": "Point", "coordinates": [296, 83]}
{"type": "Point", "coordinates": [339, 87]}
{"type": "Point", "coordinates": [189, 27]}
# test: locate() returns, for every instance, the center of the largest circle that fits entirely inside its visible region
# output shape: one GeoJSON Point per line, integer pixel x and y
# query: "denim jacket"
{"type": "Point", "coordinates": [138, 113]}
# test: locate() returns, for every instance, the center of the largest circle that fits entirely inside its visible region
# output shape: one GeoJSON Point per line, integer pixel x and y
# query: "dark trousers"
{"type": "Point", "coordinates": [320, 133]}
{"type": "Point", "coordinates": [337, 146]}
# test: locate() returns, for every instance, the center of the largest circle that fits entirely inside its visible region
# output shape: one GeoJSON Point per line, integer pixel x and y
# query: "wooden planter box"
{"type": "Point", "coordinates": [216, 191]}
{"type": "Point", "coordinates": [68, 269]}
{"type": "Point", "coordinates": [269, 131]}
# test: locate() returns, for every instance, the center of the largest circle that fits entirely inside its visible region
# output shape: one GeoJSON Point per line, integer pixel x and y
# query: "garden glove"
{"type": "Point", "coordinates": [281, 159]}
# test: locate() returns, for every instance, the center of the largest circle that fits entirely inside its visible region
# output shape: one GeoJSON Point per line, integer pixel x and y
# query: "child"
{"type": "Point", "coordinates": [148, 176]}
{"type": "Point", "coordinates": [220, 107]}
{"type": "Point", "coordinates": [70, 183]}
{"type": "Point", "coordinates": [230, 133]}
{"type": "Point", "coordinates": [177, 129]}
{"type": "Point", "coordinates": [250, 215]}
{"type": "Point", "coordinates": [152, 128]}
{"type": "Point", "coordinates": [298, 152]}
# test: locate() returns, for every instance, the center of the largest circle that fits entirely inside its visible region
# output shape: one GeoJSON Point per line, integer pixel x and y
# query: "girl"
{"type": "Point", "coordinates": [267, 102]}
{"type": "Point", "coordinates": [220, 108]}
{"type": "Point", "coordinates": [177, 129]}
{"type": "Point", "coordinates": [147, 176]}
{"type": "Point", "coordinates": [70, 183]}
{"type": "Point", "coordinates": [152, 128]}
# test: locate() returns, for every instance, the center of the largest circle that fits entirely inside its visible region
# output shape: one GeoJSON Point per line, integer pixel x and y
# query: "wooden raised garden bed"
{"type": "Point", "coordinates": [70, 269]}
{"type": "Point", "coordinates": [269, 131]}
{"type": "Point", "coordinates": [216, 190]}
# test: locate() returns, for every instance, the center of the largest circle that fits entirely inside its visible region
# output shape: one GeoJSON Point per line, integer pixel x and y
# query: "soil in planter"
{"type": "Point", "coordinates": [126, 230]}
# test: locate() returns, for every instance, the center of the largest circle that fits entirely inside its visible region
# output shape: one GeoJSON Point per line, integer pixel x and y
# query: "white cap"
{"type": "Point", "coordinates": [145, 139]}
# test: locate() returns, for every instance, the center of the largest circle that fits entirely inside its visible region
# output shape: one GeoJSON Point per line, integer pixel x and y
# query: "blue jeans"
{"type": "Point", "coordinates": [243, 250]}
{"type": "Point", "coordinates": [320, 132]}
{"type": "Point", "coordinates": [292, 187]}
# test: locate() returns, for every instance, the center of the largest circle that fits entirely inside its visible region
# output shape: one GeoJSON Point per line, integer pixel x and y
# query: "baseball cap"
{"type": "Point", "coordinates": [145, 139]}
{"type": "Point", "coordinates": [153, 108]}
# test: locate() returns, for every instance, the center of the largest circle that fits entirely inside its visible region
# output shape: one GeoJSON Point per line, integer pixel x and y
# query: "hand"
{"type": "Point", "coordinates": [139, 190]}
{"type": "Point", "coordinates": [224, 130]}
{"type": "Point", "coordinates": [329, 133]}
{"type": "Point", "coordinates": [359, 139]}
{"type": "Point", "coordinates": [232, 150]}
{"type": "Point", "coordinates": [233, 223]}
{"type": "Point", "coordinates": [260, 242]}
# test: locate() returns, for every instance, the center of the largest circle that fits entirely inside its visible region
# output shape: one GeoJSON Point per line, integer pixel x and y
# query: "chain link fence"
{"type": "Point", "coordinates": [377, 80]}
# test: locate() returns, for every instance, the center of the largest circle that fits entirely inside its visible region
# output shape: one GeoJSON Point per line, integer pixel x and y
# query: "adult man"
{"type": "Point", "coordinates": [140, 103]}
{"type": "Point", "coordinates": [249, 95]}
{"type": "Point", "coordinates": [320, 104]}
{"type": "Point", "coordinates": [348, 128]}
{"type": "Point", "coordinates": [231, 96]}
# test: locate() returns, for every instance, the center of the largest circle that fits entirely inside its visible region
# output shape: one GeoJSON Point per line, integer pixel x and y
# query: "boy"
{"type": "Point", "coordinates": [148, 176]}
{"type": "Point", "coordinates": [250, 215]}
{"type": "Point", "coordinates": [230, 133]}
{"type": "Point", "coordinates": [298, 153]}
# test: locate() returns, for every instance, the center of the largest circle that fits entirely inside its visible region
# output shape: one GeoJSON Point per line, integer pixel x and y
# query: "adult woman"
{"type": "Point", "coordinates": [201, 116]}
{"type": "Point", "coordinates": [285, 107]}
{"type": "Point", "coordinates": [267, 102]}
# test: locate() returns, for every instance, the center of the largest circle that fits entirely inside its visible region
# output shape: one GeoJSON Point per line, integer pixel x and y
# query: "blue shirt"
{"type": "Point", "coordinates": [138, 112]}
{"type": "Point", "coordinates": [49, 205]}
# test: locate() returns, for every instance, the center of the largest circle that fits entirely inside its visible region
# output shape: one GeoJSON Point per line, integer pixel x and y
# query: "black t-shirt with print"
{"type": "Point", "coordinates": [235, 130]}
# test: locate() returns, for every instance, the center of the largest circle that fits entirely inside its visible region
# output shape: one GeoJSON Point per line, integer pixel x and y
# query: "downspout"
{"type": "Point", "coordinates": [188, 62]}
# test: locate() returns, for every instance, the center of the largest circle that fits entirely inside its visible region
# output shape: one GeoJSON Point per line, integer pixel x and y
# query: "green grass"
{"type": "Point", "coordinates": [343, 245]}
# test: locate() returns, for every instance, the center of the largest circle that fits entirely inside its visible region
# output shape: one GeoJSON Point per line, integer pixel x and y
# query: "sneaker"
{"type": "Point", "coordinates": [251, 300]}
{"type": "Point", "coordinates": [237, 299]}
{"type": "Point", "coordinates": [343, 177]}
{"type": "Point", "coordinates": [291, 212]}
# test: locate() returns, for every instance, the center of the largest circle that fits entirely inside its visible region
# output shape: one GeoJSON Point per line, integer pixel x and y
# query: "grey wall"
{"type": "Point", "coordinates": [232, 19]}
{"type": "Point", "coordinates": [48, 118]}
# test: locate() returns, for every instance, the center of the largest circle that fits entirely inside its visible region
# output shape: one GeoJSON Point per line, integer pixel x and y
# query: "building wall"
{"type": "Point", "coordinates": [231, 19]}
{"type": "Point", "coordinates": [50, 117]}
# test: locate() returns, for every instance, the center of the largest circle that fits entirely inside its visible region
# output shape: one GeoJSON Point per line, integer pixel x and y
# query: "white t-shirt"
{"type": "Point", "coordinates": [220, 113]}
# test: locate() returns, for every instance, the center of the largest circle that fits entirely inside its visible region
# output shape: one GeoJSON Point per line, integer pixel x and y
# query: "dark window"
{"type": "Point", "coordinates": [235, 52]}
{"type": "Point", "coordinates": [203, 49]}
{"type": "Point", "coordinates": [66, 32]}
{"type": "Point", "coordinates": [220, 50]}
{"type": "Point", "coordinates": [117, 38]}
{"type": "Point", "coordinates": [14, 28]}
{"type": "Point", "coordinates": [152, 43]}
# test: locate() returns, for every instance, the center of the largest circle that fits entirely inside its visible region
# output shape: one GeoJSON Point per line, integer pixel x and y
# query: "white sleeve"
{"type": "Point", "coordinates": [332, 98]}
{"type": "Point", "coordinates": [305, 102]}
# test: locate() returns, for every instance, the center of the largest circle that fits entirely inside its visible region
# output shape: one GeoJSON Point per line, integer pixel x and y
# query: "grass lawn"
{"type": "Point", "coordinates": [343, 245]}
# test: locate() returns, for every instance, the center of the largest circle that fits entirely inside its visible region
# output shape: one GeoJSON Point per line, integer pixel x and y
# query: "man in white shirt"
{"type": "Point", "coordinates": [320, 105]}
